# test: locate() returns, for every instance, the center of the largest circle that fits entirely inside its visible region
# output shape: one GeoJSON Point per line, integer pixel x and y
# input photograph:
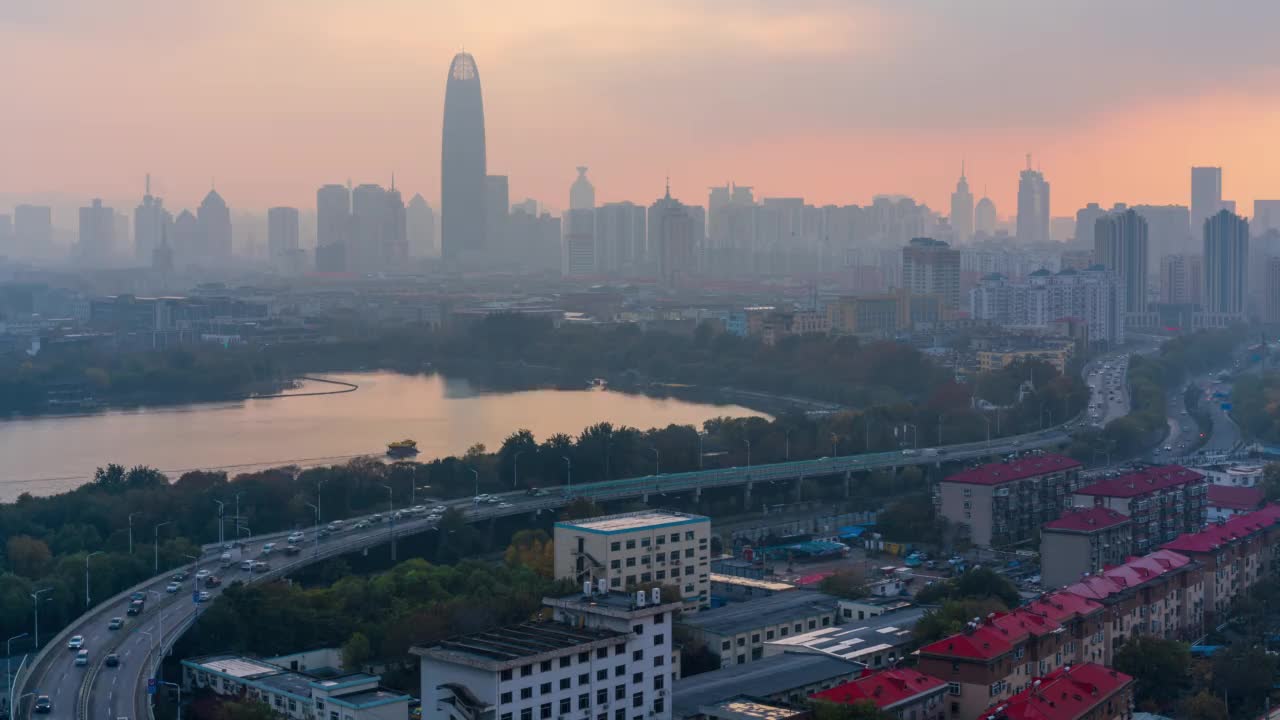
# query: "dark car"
{"type": "Point", "coordinates": [135, 607]}
{"type": "Point", "coordinates": [138, 596]}
{"type": "Point", "coordinates": [292, 549]}
{"type": "Point", "coordinates": [212, 581]}
{"type": "Point", "coordinates": [43, 704]}
{"type": "Point", "coordinates": [179, 576]}
{"type": "Point", "coordinates": [112, 660]}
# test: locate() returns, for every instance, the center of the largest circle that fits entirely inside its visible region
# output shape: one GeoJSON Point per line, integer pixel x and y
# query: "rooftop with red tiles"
{"type": "Point", "coordinates": [1226, 532]}
{"type": "Point", "coordinates": [1134, 572]}
{"type": "Point", "coordinates": [1068, 693]}
{"type": "Point", "coordinates": [1020, 469]}
{"type": "Point", "coordinates": [887, 688]}
{"type": "Point", "coordinates": [1235, 497]}
{"type": "Point", "coordinates": [1142, 482]}
{"type": "Point", "coordinates": [1087, 520]}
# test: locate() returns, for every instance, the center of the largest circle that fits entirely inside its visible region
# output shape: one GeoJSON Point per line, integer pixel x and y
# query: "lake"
{"type": "Point", "coordinates": [55, 453]}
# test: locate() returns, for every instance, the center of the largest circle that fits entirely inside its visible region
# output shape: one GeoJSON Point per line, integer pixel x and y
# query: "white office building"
{"type": "Point", "coordinates": [1094, 296]}
{"type": "Point", "coordinates": [603, 656]}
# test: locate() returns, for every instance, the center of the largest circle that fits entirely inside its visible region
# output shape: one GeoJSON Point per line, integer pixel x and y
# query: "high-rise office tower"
{"type": "Point", "coordinates": [150, 222]}
{"type": "Point", "coordinates": [377, 240]}
{"type": "Point", "coordinates": [984, 217]}
{"type": "Point", "coordinates": [333, 227]}
{"type": "Point", "coordinates": [32, 230]}
{"type": "Point", "coordinates": [962, 210]}
{"type": "Point", "coordinates": [1180, 278]}
{"type": "Point", "coordinates": [462, 162]}
{"type": "Point", "coordinates": [497, 210]}
{"type": "Point", "coordinates": [215, 226]}
{"type": "Point", "coordinates": [677, 233]}
{"type": "Point", "coordinates": [420, 221]}
{"type": "Point", "coordinates": [1033, 206]}
{"type": "Point", "coordinates": [1226, 257]}
{"type": "Point", "coordinates": [932, 267]}
{"type": "Point", "coordinates": [1266, 216]}
{"type": "Point", "coordinates": [1120, 246]}
{"type": "Point", "coordinates": [97, 233]}
{"type": "Point", "coordinates": [185, 239]}
{"type": "Point", "coordinates": [579, 227]}
{"type": "Point", "coordinates": [282, 235]}
{"type": "Point", "coordinates": [1206, 196]}
{"type": "Point", "coordinates": [1086, 218]}
{"type": "Point", "coordinates": [6, 235]}
{"type": "Point", "coordinates": [1167, 226]}
{"type": "Point", "coordinates": [620, 238]}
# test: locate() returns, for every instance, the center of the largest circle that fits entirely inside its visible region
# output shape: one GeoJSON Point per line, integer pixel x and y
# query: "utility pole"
{"type": "Point", "coordinates": [131, 531]}
{"type": "Point", "coordinates": [86, 575]}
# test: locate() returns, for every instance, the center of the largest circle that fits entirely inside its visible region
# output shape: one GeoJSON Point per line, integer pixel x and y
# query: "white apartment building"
{"type": "Point", "coordinates": [603, 656]}
{"type": "Point", "coordinates": [1094, 296]}
{"type": "Point", "coordinates": [639, 548]}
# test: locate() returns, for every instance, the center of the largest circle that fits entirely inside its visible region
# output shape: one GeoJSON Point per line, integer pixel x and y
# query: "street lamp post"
{"type": "Point", "coordinates": [748, 442]}
{"type": "Point", "coordinates": [35, 603]}
{"type": "Point", "coordinates": [987, 420]}
{"type": "Point", "coordinates": [391, 520]}
{"type": "Point", "coordinates": [835, 444]}
{"type": "Point", "coordinates": [8, 662]}
{"type": "Point", "coordinates": [316, 507]}
{"type": "Point", "coordinates": [786, 445]}
{"type": "Point", "coordinates": [221, 511]}
{"type": "Point", "coordinates": [515, 470]}
{"type": "Point", "coordinates": [568, 474]}
{"type": "Point", "coordinates": [657, 469]}
{"type": "Point", "coordinates": [161, 620]}
{"type": "Point", "coordinates": [179, 687]}
{"type": "Point", "coordinates": [476, 474]}
{"type": "Point", "coordinates": [156, 546]}
{"type": "Point", "coordinates": [413, 485]}
{"type": "Point", "coordinates": [86, 575]}
{"type": "Point", "coordinates": [700, 453]}
{"type": "Point", "coordinates": [238, 512]}
{"type": "Point", "coordinates": [131, 531]}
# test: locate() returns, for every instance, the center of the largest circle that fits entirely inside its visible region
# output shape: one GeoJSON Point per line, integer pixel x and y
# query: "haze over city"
{"type": "Point", "coordinates": [832, 101]}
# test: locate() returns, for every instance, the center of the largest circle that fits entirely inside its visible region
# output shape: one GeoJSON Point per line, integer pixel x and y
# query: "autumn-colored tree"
{"type": "Point", "coordinates": [28, 556]}
{"type": "Point", "coordinates": [1205, 706]}
{"type": "Point", "coordinates": [533, 549]}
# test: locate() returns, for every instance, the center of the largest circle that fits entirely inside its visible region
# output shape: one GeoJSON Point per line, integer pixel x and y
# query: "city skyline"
{"type": "Point", "coordinates": [564, 94]}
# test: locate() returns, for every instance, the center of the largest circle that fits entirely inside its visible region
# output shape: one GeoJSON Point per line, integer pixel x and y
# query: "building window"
{"type": "Point", "coordinates": [688, 535]}
{"type": "Point", "coordinates": [506, 697]}
{"type": "Point", "coordinates": [615, 546]}
{"type": "Point", "coordinates": [658, 706]}
{"type": "Point", "coordinates": [631, 580]}
{"type": "Point", "coordinates": [602, 696]}
{"type": "Point", "coordinates": [602, 674]}
{"type": "Point", "coordinates": [566, 705]}
{"type": "Point", "coordinates": [602, 653]}
{"type": "Point", "coordinates": [584, 678]}
{"type": "Point", "coordinates": [565, 683]}
{"type": "Point", "coordinates": [526, 670]}
{"type": "Point", "coordinates": [661, 575]}
{"type": "Point", "coordinates": [620, 714]}
{"type": "Point", "coordinates": [637, 656]}
{"type": "Point", "coordinates": [526, 693]}
{"type": "Point", "coordinates": [584, 701]}
{"type": "Point", "coordinates": [742, 641]}
{"type": "Point", "coordinates": [544, 689]}
{"type": "Point", "coordinates": [620, 692]}
{"type": "Point", "coordinates": [659, 639]}
{"type": "Point", "coordinates": [544, 711]}
{"type": "Point", "coordinates": [755, 637]}
{"type": "Point", "coordinates": [526, 714]}
{"type": "Point", "coordinates": [505, 716]}
{"type": "Point", "coordinates": [584, 657]}
{"type": "Point", "coordinates": [566, 661]}
{"type": "Point", "coordinates": [615, 582]}
{"type": "Point", "coordinates": [657, 619]}
{"type": "Point", "coordinates": [631, 544]}
{"type": "Point", "coordinates": [658, 681]}
{"type": "Point", "coordinates": [675, 537]}
{"type": "Point", "coordinates": [619, 670]}
{"type": "Point", "coordinates": [506, 674]}
{"type": "Point", "coordinates": [545, 666]}
{"type": "Point", "coordinates": [644, 542]}
{"type": "Point", "coordinates": [768, 634]}
{"type": "Point", "coordinates": [742, 658]}
{"type": "Point", "coordinates": [688, 552]}
{"type": "Point", "coordinates": [637, 699]}
{"type": "Point", "coordinates": [631, 562]}
{"type": "Point", "coordinates": [658, 660]}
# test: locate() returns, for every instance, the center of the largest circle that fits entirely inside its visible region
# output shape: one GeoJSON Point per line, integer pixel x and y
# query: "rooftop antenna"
{"type": "Point", "coordinates": [148, 192]}
{"type": "Point", "coordinates": [1028, 161]}
{"type": "Point", "coordinates": [393, 180]}
{"type": "Point", "coordinates": [962, 167]}
{"type": "Point", "coordinates": [668, 186]}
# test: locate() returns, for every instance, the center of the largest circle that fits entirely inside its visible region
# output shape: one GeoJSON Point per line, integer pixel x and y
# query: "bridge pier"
{"type": "Point", "coordinates": [799, 488]}
{"type": "Point", "coordinates": [848, 483]}
{"type": "Point", "coordinates": [697, 494]}
{"type": "Point", "coordinates": [746, 496]}
{"type": "Point", "coordinates": [644, 498]}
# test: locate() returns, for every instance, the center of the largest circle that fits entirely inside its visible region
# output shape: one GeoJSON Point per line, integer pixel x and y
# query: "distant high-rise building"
{"type": "Point", "coordinates": [1086, 218]}
{"type": "Point", "coordinates": [962, 210]}
{"type": "Point", "coordinates": [150, 222]}
{"type": "Point", "coordinates": [32, 230]}
{"type": "Point", "coordinates": [984, 217]}
{"type": "Point", "coordinates": [215, 226]}
{"type": "Point", "coordinates": [675, 235]}
{"type": "Point", "coordinates": [1094, 296]}
{"type": "Point", "coordinates": [186, 239]}
{"type": "Point", "coordinates": [378, 240]}
{"type": "Point", "coordinates": [1266, 216]}
{"type": "Point", "coordinates": [97, 233]}
{"type": "Point", "coordinates": [6, 235]}
{"type": "Point", "coordinates": [620, 238]}
{"type": "Point", "coordinates": [1120, 246]}
{"type": "Point", "coordinates": [420, 220]}
{"type": "Point", "coordinates": [931, 267]}
{"type": "Point", "coordinates": [462, 162]}
{"type": "Point", "coordinates": [282, 236]}
{"type": "Point", "coordinates": [497, 208]}
{"type": "Point", "coordinates": [1206, 195]}
{"type": "Point", "coordinates": [1180, 278]}
{"type": "Point", "coordinates": [1226, 256]}
{"type": "Point", "coordinates": [162, 255]}
{"type": "Point", "coordinates": [579, 227]}
{"type": "Point", "coordinates": [1271, 304]}
{"type": "Point", "coordinates": [536, 243]}
{"type": "Point", "coordinates": [731, 229]}
{"type": "Point", "coordinates": [1033, 206]}
{"type": "Point", "coordinates": [1167, 228]}
{"type": "Point", "coordinates": [333, 227]}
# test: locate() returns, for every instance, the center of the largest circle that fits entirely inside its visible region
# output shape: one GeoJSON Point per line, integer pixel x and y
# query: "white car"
{"type": "Point", "coordinates": [202, 575]}
{"type": "Point", "coordinates": [418, 509]}
{"type": "Point", "coordinates": [76, 642]}
{"type": "Point", "coordinates": [438, 510]}
{"type": "Point", "coordinates": [296, 537]}
{"type": "Point", "coordinates": [172, 587]}
{"type": "Point", "coordinates": [504, 505]}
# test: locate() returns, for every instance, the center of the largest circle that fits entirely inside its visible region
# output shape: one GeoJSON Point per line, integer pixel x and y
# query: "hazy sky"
{"type": "Point", "coordinates": [833, 100]}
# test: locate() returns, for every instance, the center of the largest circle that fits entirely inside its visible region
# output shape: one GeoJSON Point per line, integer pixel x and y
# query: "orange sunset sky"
{"type": "Point", "coordinates": [832, 100]}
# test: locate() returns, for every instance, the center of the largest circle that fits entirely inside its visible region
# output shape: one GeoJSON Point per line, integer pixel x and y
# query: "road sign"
{"type": "Point", "coordinates": [151, 686]}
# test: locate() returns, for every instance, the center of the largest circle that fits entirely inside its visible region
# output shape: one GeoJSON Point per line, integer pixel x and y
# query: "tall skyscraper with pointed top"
{"type": "Point", "coordinates": [962, 209]}
{"type": "Point", "coordinates": [462, 162]}
{"type": "Point", "coordinates": [150, 222]}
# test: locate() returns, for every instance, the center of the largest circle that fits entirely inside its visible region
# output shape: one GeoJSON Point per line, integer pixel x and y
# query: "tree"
{"type": "Point", "coordinates": [581, 508]}
{"type": "Point", "coordinates": [976, 584]}
{"type": "Point", "coordinates": [1159, 666]}
{"type": "Point", "coordinates": [847, 584]}
{"type": "Point", "coordinates": [27, 556]}
{"type": "Point", "coordinates": [244, 710]}
{"type": "Point", "coordinates": [860, 710]}
{"type": "Point", "coordinates": [1244, 674]}
{"type": "Point", "coordinates": [951, 618]}
{"type": "Point", "coordinates": [356, 652]}
{"type": "Point", "coordinates": [1205, 706]}
{"type": "Point", "coordinates": [533, 549]}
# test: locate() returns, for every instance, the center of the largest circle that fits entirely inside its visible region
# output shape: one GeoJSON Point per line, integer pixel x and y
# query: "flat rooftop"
{"type": "Point", "coordinates": [771, 610]}
{"type": "Point", "coordinates": [854, 640]}
{"type": "Point", "coordinates": [293, 683]}
{"type": "Point", "coordinates": [763, 678]}
{"type": "Point", "coordinates": [771, 585]}
{"type": "Point", "coordinates": [236, 666]}
{"type": "Point", "coordinates": [628, 522]}
{"type": "Point", "coordinates": [745, 708]}
{"type": "Point", "coordinates": [519, 641]}
{"type": "Point", "coordinates": [374, 696]}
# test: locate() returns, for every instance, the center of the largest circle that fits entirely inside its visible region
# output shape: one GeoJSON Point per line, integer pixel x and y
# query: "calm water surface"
{"type": "Point", "coordinates": [50, 454]}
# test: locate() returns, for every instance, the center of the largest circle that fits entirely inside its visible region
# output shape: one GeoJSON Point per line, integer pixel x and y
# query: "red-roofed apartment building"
{"type": "Point", "coordinates": [1004, 503]}
{"type": "Point", "coordinates": [1077, 692]}
{"type": "Point", "coordinates": [902, 691]}
{"type": "Point", "coordinates": [1162, 502]}
{"type": "Point", "coordinates": [1000, 655]}
{"type": "Point", "coordinates": [1160, 594]}
{"type": "Point", "coordinates": [1082, 541]}
{"type": "Point", "coordinates": [1233, 554]}
{"type": "Point", "coordinates": [1226, 501]}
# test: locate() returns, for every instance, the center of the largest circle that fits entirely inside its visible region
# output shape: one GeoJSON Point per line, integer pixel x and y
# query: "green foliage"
{"type": "Point", "coordinates": [1245, 674]}
{"type": "Point", "coordinates": [975, 584]}
{"type": "Point", "coordinates": [911, 519]}
{"type": "Point", "coordinates": [244, 710]}
{"type": "Point", "coordinates": [860, 710]}
{"type": "Point", "coordinates": [356, 652]}
{"type": "Point", "coordinates": [1159, 666]}
{"type": "Point", "coordinates": [1204, 706]}
{"type": "Point", "coordinates": [848, 584]}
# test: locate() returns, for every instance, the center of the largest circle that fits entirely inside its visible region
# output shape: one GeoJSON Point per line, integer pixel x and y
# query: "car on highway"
{"type": "Point", "coordinates": [267, 548]}
{"type": "Point", "coordinates": [180, 576]}
{"type": "Point", "coordinates": [361, 525]}
{"type": "Point", "coordinates": [504, 505]}
{"type": "Point", "coordinates": [116, 623]}
{"type": "Point", "coordinates": [439, 509]}
{"type": "Point", "coordinates": [111, 660]}
{"type": "Point", "coordinates": [139, 595]}
{"type": "Point", "coordinates": [203, 596]}
{"type": "Point", "coordinates": [246, 565]}
{"type": "Point", "coordinates": [292, 549]}
{"type": "Point", "coordinates": [173, 587]}
{"type": "Point", "coordinates": [261, 566]}
{"type": "Point", "coordinates": [76, 642]}
{"type": "Point", "coordinates": [135, 607]}
{"type": "Point", "coordinates": [296, 537]}
{"type": "Point", "coordinates": [82, 658]}
{"type": "Point", "coordinates": [203, 574]}
{"type": "Point", "coordinates": [44, 704]}
{"type": "Point", "coordinates": [212, 581]}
